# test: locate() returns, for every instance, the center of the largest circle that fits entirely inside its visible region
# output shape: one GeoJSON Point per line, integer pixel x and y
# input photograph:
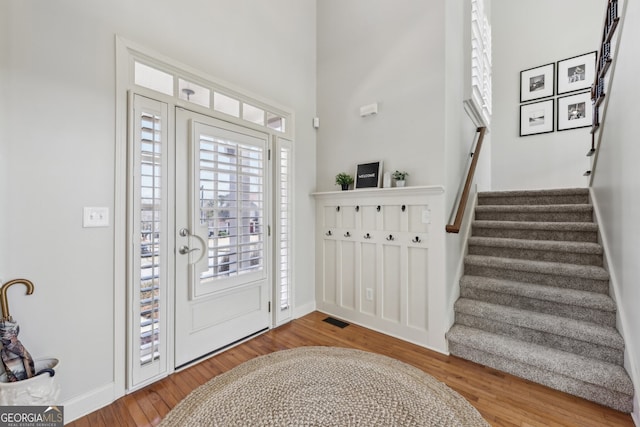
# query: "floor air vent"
{"type": "Point", "coordinates": [336, 322]}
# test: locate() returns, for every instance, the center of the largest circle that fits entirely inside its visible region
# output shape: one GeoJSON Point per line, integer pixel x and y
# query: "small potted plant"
{"type": "Point", "coordinates": [344, 180]}
{"type": "Point", "coordinates": [400, 178]}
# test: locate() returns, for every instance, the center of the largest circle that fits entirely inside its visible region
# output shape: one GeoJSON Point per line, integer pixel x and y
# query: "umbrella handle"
{"type": "Point", "coordinates": [3, 294]}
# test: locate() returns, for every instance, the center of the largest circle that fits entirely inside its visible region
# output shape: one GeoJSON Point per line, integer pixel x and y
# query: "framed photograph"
{"type": "Point", "coordinates": [536, 83]}
{"type": "Point", "coordinates": [369, 175]}
{"type": "Point", "coordinates": [576, 73]}
{"type": "Point", "coordinates": [536, 118]}
{"type": "Point", "coordinates": [575, 111]}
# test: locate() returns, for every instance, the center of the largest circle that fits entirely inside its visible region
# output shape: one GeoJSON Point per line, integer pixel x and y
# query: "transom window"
{"type": "Point", "coordinates": [226, 103]}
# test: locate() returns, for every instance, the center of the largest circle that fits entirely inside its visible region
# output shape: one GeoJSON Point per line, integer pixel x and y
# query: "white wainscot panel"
{"type": "Point", "coordinates": [380, 261]}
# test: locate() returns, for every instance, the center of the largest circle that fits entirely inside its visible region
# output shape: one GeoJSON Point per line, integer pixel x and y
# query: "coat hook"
{"type": "Point", "coordinates": [367, 236]}
{"type": "Point", "coordinates": [337, 208]}
{"type": "Point", "coordinates": [357, 208]}
{"type": "Point", "coordinates": [347, 234]}
{"type": "Point", "coordinates": [404, 208]}
{"type": "Point", "coordinates": [328, 233]}
{"type": "Point", "coordinates": [417, 240]}
{"type": "Point", "coordinates": [390, 238]}
{"type": "Point", "coordinates": [378, 208]}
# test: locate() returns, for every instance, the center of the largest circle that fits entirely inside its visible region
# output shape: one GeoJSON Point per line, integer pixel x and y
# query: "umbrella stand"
{"type": "Point", "coordinates": [18, 363]}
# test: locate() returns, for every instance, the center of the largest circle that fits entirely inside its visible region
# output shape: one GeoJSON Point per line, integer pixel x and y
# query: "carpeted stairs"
{"type": "Point", "coordinates": [534, 298]}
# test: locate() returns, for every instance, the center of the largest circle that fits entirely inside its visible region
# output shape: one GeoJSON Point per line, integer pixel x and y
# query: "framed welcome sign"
{"type": "Point", "coordinates": [369, 175]}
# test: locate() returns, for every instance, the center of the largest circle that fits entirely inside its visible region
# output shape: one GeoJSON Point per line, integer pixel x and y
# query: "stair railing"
{"type": "Point", "coordinates": [605, 60]}
{"type": "Point", "coordinates": [457, 222]}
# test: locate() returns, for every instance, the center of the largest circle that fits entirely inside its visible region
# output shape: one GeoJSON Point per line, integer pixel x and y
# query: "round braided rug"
{"type": "Point", "coordinates": [323, 386]}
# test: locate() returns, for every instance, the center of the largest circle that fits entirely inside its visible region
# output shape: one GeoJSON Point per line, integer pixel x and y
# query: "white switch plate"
{"type": "Point", "coordinates": [426, 216]}
{"type": "Point", "coordinates": [369, 294]}
{"type": "Point", "coordinates": [95, 217]}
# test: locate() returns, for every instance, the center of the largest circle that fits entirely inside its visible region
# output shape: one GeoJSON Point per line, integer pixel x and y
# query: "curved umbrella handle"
{"type": "Point", "coordinates": [3, 294]}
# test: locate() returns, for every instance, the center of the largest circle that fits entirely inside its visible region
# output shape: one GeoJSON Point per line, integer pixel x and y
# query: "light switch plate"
{"type": "Point", "coordinates": [95, 217]}
{"type": "Point", "coordinates": [426, 216]}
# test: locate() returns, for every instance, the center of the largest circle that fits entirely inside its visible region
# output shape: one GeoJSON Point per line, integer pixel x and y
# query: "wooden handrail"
{"type": "Point", "coordinates": [455, 227]}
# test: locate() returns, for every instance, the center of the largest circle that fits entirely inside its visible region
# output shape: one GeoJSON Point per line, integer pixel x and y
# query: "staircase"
{"type": "Point", "coordinates": [534, 298]}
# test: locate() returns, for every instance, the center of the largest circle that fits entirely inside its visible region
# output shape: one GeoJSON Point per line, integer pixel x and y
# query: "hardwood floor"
{"type": "Point", "coordinates": [502, 399]}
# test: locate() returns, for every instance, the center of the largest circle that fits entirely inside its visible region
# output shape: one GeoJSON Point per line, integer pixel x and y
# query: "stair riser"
{"type": "Point", "coordinates": [594, 393]}
{"type": "Point", "coordinates": [535, 216]}
{"type": "Point", "coordinates": [537, 255]}
{"type": "Point", "coordinates": [579, 199]}
{"type": "Point", "coordinates": [566, 282]}
{"type": "Point", "coordinates": [530, 234]}
{"type": "Point", "coordinates": [599, 317]}
{"type": "Point", "coordinates": [571, 345]}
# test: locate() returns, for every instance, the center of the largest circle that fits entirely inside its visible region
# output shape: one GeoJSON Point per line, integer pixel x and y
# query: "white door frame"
{"type": "Point", "coordinates": [127, 53]}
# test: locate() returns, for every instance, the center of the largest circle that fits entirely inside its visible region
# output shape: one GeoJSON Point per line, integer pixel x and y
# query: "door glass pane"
{"type": "Point", "coordinates": [226, 104]}
{"type": "Point", "coordinates": [153, 78]}
{"type": "Point", "coordinates": [192, 92]}
{"type": "Point", "coordinates": [275, 122]}
{"type": "Point", "coordinates": [231, 206]}
{"type": "Point", "coordinates": [253, 114]}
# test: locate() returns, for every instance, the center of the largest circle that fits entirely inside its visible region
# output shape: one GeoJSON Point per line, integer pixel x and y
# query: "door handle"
{"type": "Point", "coordinates": [184, 249]}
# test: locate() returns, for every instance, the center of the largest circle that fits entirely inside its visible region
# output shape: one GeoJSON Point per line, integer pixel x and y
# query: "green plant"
{"type": "Point", "coordinates": [400, 176]}
{"type": "Point", "coordinates": [344, 179]}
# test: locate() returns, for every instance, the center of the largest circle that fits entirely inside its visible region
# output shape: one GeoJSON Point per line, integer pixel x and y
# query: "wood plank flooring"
{"type": "Point", "coordinates": [502, 399]}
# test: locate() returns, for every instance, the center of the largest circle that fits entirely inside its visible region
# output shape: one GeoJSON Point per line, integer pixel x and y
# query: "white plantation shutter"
{"type": "Point", "coordinates": [148, 225]}
{"type": "Point", "coordinates": [478, 104]}
{"type": "Point", "coordinates": [231, 206]}
{"type": "Point", "coordinates": [284, 229]}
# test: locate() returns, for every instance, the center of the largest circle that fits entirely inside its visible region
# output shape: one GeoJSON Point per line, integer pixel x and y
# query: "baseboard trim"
{"type": "Point", "coordinates": [89, 402]}
{"type": "Point", "coordinates": [623, 327]}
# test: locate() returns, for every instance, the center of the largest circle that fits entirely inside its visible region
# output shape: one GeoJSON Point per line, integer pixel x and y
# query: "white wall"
{"type": "Point", "coordinates": [411, 60]}
{"type": "Point", "coordinates": [616, 188]}
{"type": "Point", "coordinates": [59, 138]}
{"type": "Point", "coordinates": [381, 51]}
{"type": "Point", "coordinates": [528, 35]}
{"type": "Point", "coordinates": [4, 176]}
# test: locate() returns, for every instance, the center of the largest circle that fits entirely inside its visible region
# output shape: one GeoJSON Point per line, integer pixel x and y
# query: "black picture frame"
{"type": "Point", "coordinates": [574, 111]}
{"type": "Point", "coordinates": [537, 118]}
{"type": "Point", "coordinates": [537, 83]}
{"type": "Point", "coordinates": [576, 73]}
{"type": "Point", "coordinates": [368, 175]}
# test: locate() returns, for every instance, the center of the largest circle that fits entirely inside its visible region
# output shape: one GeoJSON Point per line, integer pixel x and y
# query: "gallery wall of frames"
{"type": "Point", "coordinates": [557, 96]}
{"type": "Point", "coordinates": [567, 94]}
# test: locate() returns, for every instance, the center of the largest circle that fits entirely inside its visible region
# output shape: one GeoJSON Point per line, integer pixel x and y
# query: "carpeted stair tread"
{"type": "Point", "coordinates": [571, 207]}
{"type": "Point", "coordinates": [593, 392]}
{"type": "Point", "coordinates": [591, 371]}
{"type": "Point", "coordinates": [540, 267]}
{"type": "Point", "coordinates": [577, 298]}
{"type": "Point", "coordinates": [537, 225]}
{"type": "Point", "coordinates": [540, 245]}
{"type": "Point", "coordinates": [535, 197]}
{"type": "Point", "coordinates": [547, 323]}
{"type": "Point", "coordinates": [536, 193]}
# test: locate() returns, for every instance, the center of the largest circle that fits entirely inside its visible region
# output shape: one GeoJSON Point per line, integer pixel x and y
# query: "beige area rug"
{"type": "Point", "coordinates": [323, 386]}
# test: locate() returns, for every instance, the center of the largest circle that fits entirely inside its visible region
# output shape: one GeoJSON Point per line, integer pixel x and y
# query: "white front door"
{"type": "Point", "coordinates": [222, 286]}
